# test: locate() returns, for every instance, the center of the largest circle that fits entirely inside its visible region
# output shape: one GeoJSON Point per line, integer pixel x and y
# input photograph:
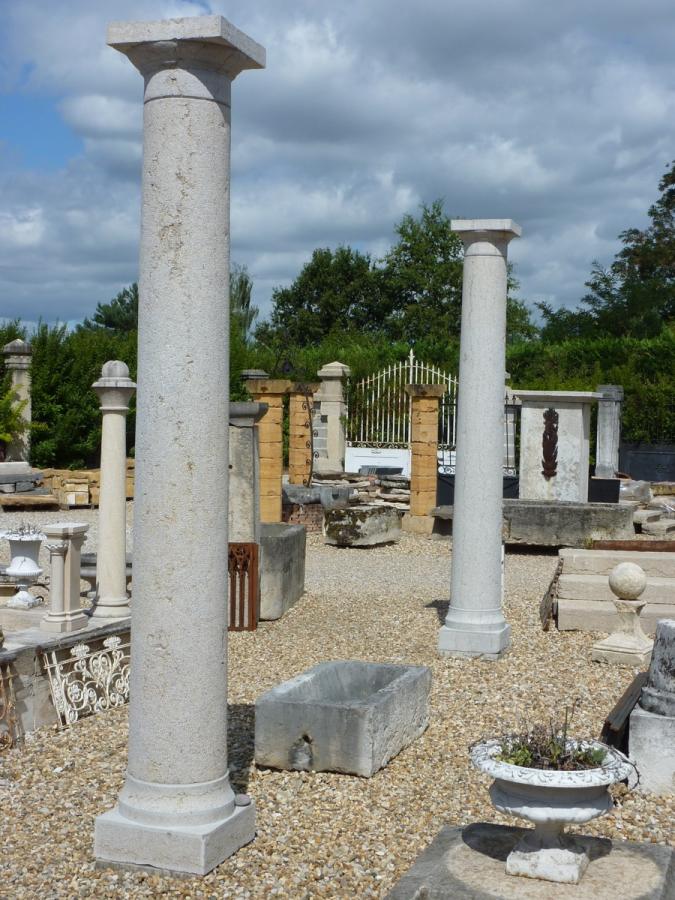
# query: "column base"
{"type": "Point", "coordinates": [194, 849]}
{"type": "Point", "coordinates": [618, 650]}
{"type": "Point", "coordinates": [472, 642]}
{"type": "Point", "coordinates": [62, 622]}
{"type": "Point", "coordinates": [110, 610]}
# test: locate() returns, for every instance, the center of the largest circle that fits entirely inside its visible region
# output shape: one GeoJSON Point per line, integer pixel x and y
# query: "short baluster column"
{"type": "Point", "coordinates": [65, 542]}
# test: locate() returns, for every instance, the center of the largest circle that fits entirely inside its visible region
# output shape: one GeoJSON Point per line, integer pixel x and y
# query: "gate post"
{"type": "Point", "coordinates": [329, 414]}
{"type": "Point", "coordinates": [424, 455]}
{"type": "Point", "coordinates": [608, 435]}
{"type": "Point", "coordinates": [300, 442]}
{"type": "Point", "coordinates": [270, 437]}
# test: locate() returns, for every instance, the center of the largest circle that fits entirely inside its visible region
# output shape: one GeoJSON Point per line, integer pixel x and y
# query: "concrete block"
{"type": "Point", "coordinates": [362, 526]}
{"type": "Point", "coordinates": [282, 567]}
{"type": "Point", "coordinates": [601, 562]}
{"type": "Point", "coordinates": [641, 516]}
{"type": "Point", "coordinates": [600, 615]}
{"type": "Point", "coordinates": [543, 523]}
{"type": "Point", "coordinates": [651, 745]}
{"type": "Point", "coordinates": [344, 716]}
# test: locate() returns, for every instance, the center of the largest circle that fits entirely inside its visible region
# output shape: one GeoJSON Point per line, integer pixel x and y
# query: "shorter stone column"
{"type": "Point", "coordinates": [329, 414]}
{"type": "Point", "coordinates": [608, 433]}
{"type": "Point", "coordinates": [17, 361]}
{"type": "Point", "coordinates": [114, 389]}
{"type": "Point", "coordinates": [628, 645]}
{"type": "Point", "coordinates": [270, 438]}
{"type": "Point", "coordinates": [425, 399]}
{"type": "Point", "coordinates": [244, 501]}
{"type": "Point", "coordinates": [651, 742]}
{"type": "Point", "coordinates": [300, 459]}
{"type": "Point", "coordinates": [65, 546]}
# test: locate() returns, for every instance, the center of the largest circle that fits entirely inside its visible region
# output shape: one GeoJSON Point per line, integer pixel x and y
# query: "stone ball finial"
{"type": "Point", "coordinates": [115, 368]}
{"type": "Point", "coordinates": [627, 581]}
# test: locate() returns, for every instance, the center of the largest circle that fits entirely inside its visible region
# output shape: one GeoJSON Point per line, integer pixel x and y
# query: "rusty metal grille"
{"type": "Point", "coordinates": [9, 733]}
{"type": "Point", "coordinates": [243, 592]}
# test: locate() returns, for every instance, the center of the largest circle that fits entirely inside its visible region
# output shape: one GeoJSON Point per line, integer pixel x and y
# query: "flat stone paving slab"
{"type": "Point", "coordinates": [344, 716]}
{"type": "Point", "coordinates": [469, 864]}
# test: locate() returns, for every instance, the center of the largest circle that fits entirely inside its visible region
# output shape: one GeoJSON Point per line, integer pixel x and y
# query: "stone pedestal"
{"type": "Point", "coordinates": [608, 434]}
{"type": "Point", "coordinates": [628, 645]}
{"type": "Point", "coordinates": [475, 625]}
{"type": "Point", "coordinates": [17, 361]}
{"type": "Point", "coordinates": [114, 389]}
{"type": "Point", "coordinates": [244, 506]}
{"type": "Point", "coordinates": [330, 410]}
{"type": "Point", "coordinates": [300, 459]}
{"type": "Point", "coordinates": [65, 546]}
{"type": "Point", "coordinates": [177, 809]}
{"type": "Point", "coordinates": [270, 443]}
{"type": "Point", "coordinates": [554, 444]}
{"type": "Point", "coordinates": [425, 399]}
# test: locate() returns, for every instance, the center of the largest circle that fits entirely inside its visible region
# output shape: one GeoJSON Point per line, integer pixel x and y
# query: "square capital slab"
{"type": "Point", "coordinates": [216, 30]}
{"type": "Point", "coordinates": [483, 226]}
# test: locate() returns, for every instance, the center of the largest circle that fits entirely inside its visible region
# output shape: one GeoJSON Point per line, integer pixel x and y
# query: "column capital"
{"type": "Point", "coordinates": [334, 370]}
{"type": "Point", "coordinates": [17, 354]}
{"type": "Point", "coordinates": [245, 415]}
{"type": "Point", "coordinates": [486, 237]}
{"type": "Point", "coordinates": [114, 387]}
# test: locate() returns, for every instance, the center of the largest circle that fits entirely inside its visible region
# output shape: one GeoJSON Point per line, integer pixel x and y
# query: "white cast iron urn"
{"type": "Point", "coordinates": [551, 799]}
{"type": "Point", "coordinates": [24, 548]}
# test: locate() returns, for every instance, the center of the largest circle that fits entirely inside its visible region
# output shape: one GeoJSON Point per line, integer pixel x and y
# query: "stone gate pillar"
{"type": "Point", "coordinates": [270, 443]}
{"type": "Point", "coordinates": [177, 809]}
{"type": "Point", "coordinates": [425, 399]}
{"type": "Point", "coordinates": [475, 624]}
{"type": "Point", "coordinates": [608, 434]}
{"type": "Point", "coordinates": [17, 360]}
{"type": "Point", "coordinates": [330, 410]}
{"type": "Point", "coordinates": [300, 443]}
{"type": "Point", "coordinates": [244, 507]}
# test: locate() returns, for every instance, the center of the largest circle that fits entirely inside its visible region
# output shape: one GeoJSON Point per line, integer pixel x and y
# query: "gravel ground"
{"type": "Point", "coordinates": [325, 835]}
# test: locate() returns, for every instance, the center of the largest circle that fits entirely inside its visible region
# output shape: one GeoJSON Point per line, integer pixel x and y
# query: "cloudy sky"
{"type": "Point", "coordinates": [558, 115]}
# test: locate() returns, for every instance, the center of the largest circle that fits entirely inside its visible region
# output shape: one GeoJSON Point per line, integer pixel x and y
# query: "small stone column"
{"type": "Point", "coordinates": [628, 645]}
{"type": "Point", "coordinates": [270, 443]}
{"type": "Point", "coordinates": [114, 389]}
{"type": "Point", "coordinates": [65, 547]}
{"type": "Point", "coordinates": [300, 461]}
{"type": "Point", "coordinates": [17, 361]}
{"type": "Point", "coordinates": [177, 809]}
{"type": "Point", "coordinates": [330, 410]}
{"type": "Point", "coordinates": [608, 433]}
{"type": "Point", "coordinates": [475, 625]}
{"type": "Point", "coordinates": [244, 507]}
{"type": "Point", "coordinates": [425, 399]}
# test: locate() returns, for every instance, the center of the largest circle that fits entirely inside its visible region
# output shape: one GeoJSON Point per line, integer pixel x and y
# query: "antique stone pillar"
{"type": "Point", "coordinates": [244, 506]}
{"type": "Point", "coordinates": [475, 625]}
{"type": "Point", "coordinates": [114, 389]}
{"type": "Point", "coordinates": [65, 547]}
{"type": "Point", "coordinates": [177, 809]}
{"type": "Point", "coordinates": [425, 399]}
{"type": "Point", "coordinates": [608, 432]}
{"type": "Point", "coordinates": [17, 361]}
{"type": "Point", "coordinates": [270, 443]}
{"type": "Point", "coordinates": [330, 410]}
{"type": "Point", "coordinates": [300, 460]}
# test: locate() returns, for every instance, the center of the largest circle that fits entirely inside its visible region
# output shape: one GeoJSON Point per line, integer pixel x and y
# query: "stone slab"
{"type": "Point", "coordinates": [600, 615]}
{"type": "Point", "coordinates": [361, 526]}
{"type": "Point", "coordinates": [651, 745]}
{"type": "Point", "coordinates": [596, 587]}
{"type": "Point", "coordinates": [15, 468]}
{"type": "Point", "coordinates": [29, 500]}
{"type": "Point", "coordinates": [344, 716]}
{"type": "Point", "coordinates": [640, 516]}
{"type": "Point", "coordinates": [469, 864]}
{"type": "Point", "coordinates": [282, 568]}
{"type": "Point", "coordinates": [601, 562]}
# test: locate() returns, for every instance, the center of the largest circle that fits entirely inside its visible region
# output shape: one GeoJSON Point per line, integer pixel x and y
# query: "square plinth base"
{"type": "Point", "coordinates": [192, 849]}
{"type": "Point", "coordinates": [651, 744]}
{"type": "Point", "coordinates": [64, 622]}
{"type": "Point", "coordinates": [470, 864]}
{"type": "Point", "coordinates": [622, 655]}
{"type": "Point", "coordinates": [465, 643]}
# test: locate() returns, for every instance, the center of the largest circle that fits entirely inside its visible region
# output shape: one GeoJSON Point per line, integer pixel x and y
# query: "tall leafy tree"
{"type": "Point", "coordinates": [121, 314]}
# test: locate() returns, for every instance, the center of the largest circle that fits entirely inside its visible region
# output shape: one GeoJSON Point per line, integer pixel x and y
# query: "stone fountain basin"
{"type": "Point", "coordinates": [342, 716]}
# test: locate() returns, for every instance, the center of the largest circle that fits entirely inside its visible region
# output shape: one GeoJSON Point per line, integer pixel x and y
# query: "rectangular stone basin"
{"type": "Point", "coordinates": [344, 716]}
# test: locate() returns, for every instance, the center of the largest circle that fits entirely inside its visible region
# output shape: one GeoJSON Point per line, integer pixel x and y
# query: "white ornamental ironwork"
{"type": "Point", "coordinates": [86, 681]}
{"type": "Point", "coordinates": [378, 413]}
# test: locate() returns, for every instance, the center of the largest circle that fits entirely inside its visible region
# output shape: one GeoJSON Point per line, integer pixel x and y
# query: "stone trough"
{"type": "Point", "coordinates": [344, 716]}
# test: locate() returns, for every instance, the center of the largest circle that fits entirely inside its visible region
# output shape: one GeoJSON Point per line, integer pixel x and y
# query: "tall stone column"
{"type": "Point", "coordinates": [270, 443]}
{"type": "Point", "coordinates": [177, 809]}
{"type": "Point", "coordinates": [608, 433]}
{"type": "Point", "coordinates": [300, 460]}
{"type": "Point", "coordinates": [475, 625]}
{"type": "Point", "coordinates": [425, 399]}
{"type": "Point", "coordinates": [114, 389]}
{"type": "Point", "coordinates": [17, 361]}
{"type": "Point", "coordinates": [330, 410]}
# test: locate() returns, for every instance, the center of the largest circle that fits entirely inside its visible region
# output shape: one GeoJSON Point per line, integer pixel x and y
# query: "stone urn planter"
{"type": "Point", "coordinates": [24, 548]}
{"type": "Point", "coordinates": [551, 799]}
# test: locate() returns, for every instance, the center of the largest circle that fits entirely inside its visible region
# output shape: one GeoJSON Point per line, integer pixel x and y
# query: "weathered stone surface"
{"type": "Point", "coordinates": [540, 523]}
{"type": "Point", "coordinates": [601, 562]}
{"type": "Point", "coordinates": [282, 567]}
{"type": "Point", "coordinates": [362, 526]}
{"type": "Point", "coordinates": [329, 496]}
{"type": "Point", "coordinates": [469, 864]}
{"type": "Point", "coordinates": [344, 716]}
{"type": "Point", "coordinates": [651, 744]}
{"type": "Point", "coordinates": [601, 615]}
{"type": "Point", "coordinates": [658, 695]}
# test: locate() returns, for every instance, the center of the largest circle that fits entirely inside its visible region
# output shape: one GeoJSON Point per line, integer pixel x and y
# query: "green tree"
{"type": "Point", "coordinates": [121, 314]}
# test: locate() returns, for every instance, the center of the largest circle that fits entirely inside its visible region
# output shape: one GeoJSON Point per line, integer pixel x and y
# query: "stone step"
{"type": "Point", "coordinates": [595, 588]}
{"type": "Point", "coordinates": [600, 615]}
{"type": "Point", "coordinates": [660, 528]}
{"type": "Point", "coordinates": [642, 516]}
{"type": "Point", "coordinates": [601, 562]}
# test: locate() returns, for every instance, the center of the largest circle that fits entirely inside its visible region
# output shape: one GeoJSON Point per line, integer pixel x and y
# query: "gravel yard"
{"type": "Point", "coordinates": [324, 835]}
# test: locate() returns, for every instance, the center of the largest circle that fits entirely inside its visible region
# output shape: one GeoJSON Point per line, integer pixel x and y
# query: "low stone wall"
{"type": "Point", "coordinates": [81, 487]}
